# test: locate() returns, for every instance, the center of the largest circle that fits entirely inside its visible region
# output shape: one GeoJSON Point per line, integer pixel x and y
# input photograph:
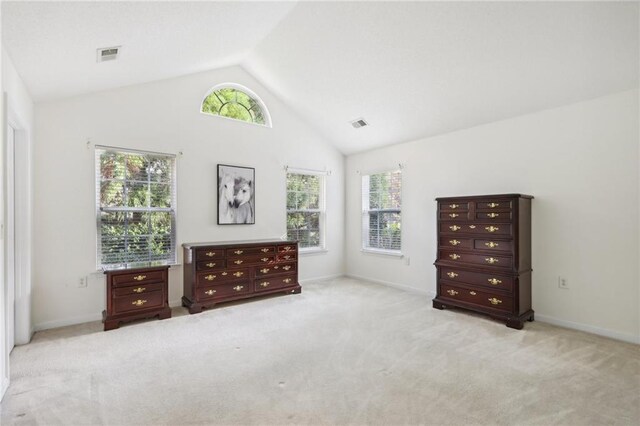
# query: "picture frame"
{"type": "Point", "coordinates": [236, 195]}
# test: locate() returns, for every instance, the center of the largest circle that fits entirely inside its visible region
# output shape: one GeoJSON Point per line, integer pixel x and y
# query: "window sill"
{"type": "Point", "coordinates": [312, 251]}
{"type": "Point", "coordinates": [391, 253]}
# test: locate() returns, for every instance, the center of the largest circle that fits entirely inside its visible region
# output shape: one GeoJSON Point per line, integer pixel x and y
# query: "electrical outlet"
{"type": "Point", "coordinates": [82, 283]}
{"type": "Point", "coordinates": [563, 283]}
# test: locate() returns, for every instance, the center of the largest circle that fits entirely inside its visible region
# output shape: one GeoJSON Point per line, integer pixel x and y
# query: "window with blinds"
{"type": "Point", "coordinates": [305, 209]}
{"type": "Point", "coordinates": [135, 206]}
{"type": "Point", "coordinates": [381, 211]}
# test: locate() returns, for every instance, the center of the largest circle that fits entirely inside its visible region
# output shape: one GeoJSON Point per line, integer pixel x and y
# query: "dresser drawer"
{"type": "Point", "coordinates": [204, 265]}
{"type": "Point", "coordinates": [496, 205]}
{"type": "Point", "coordinates": [264, 259]}
{"type": "Point", "coordinates": [282, 281]}
{"type": "Point", "coordinates": [276, 269]}
{"type": "Point", "coordinates": [242, 251]}
{"type": "Point", "coordinates": [223, 290]}
{"type": "Point", "coordinates": [496, 216]}
{"type": "Point", "coordinates": [495, 260]}
{"type": "Point", "coordinates": [502, 229]}
{"type": "Point", "coordinates": [141, 289]}
{"type": "Point", "coordinates": [213, 277]}
{"type": "Point", "coordinates": [287, 256]}
{"type": "Point", "coordinates": [498, 282]}
{"type": "Point", "coordinates": [460, 215]}
{"type": "Point", "coordinates": [287, 248]}
{"type": "Point", "coordinates": [209, 253]}
{"type": "Point", "coordinates": [140, 277]}
{"type": "Point", "coordinates": [476, 297]}
{"type": "Point", "coordinates": [453, 206]}
{"type": "Point", "coordinates": [493, 245]}
{"type": "Point", "coordinates": [138, 302]}
{"type": "Point", "coordinates": [466, 243]}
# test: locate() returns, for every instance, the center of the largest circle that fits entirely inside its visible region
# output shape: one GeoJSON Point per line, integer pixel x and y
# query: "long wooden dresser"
{"type": "Point", "coordinates": [135, 293]}
{"type": "Point", "coordinates": [220, 272]}
{"type": "Point", "coordinates": [484, 256]}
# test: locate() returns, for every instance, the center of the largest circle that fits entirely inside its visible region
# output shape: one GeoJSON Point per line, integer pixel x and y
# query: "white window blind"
{"type": "Point", "coordinates": [381, 211]}
{"type": "Point", "coordinates": [306, 209]}
{"type": "Point", "coordinates": [135, 207]}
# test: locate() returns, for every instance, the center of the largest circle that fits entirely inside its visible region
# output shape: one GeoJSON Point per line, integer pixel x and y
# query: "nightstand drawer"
{"type": "Point", "coordinates": [138, 302]}
{"type": "Point", "coordinates": [137, 289]}
{"type": "Point", "coordinates": [141, 277]}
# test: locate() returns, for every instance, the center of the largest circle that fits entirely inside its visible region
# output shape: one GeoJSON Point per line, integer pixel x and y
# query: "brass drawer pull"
{"type": "Point", "coordinates": [265, 259]}
{"type": "Point", "coordinates": [491, 244]}
{"type": "Point", "coordinates": [492, 260]}
{"type": "Point", "coordinates": [286, 280]}
{"type": "Point", "coordinates": [452, 292]}
{"type": "Point", "coordinates": [139, 289]}
{"type": "Point", "coordinates": [287, 248]}
{"type": "Point", "coordinates": [454, 242]}
{"type": "Point", "coordinates": [287, 257]}
{"type": "Point", "coordinates": [238, 274]}
{"type": "Point", "coordinates": [286, 268]}
{"type": "Point", "coordinates": [210, 292]}
{"type": "Point", "coordinates": [140, 277]}
{"type": "Point", "coordinates": [454, 228]}
{"type": "Point", "coordinates": [454, 206]}
{"type": "Point", "coordinates": [139, 302]}
{"type": "Point", "coordinates": [238, 287]}
{"type": "Point", "coordinates": [495, 301]}
{"type": "Point", "coordinates": [224, 274]}
{"type": "Point", "coordinates": [210, 277]}
{"type": "Point", "coordinates": [455, 256]}
{"type": "Point", "coordinates": [238, 262]}
{"type": "Point", "coordinates": [494, 281]}
{"type": "Point", "coordinates": [492, 215]}
{"type": "Point", "coordinates": [473, 293]}
{"type": "Point", "coordinates": [210, 253]}
{"type": "Point", "coordinates": [211, 264]}
{"type": "Point", "coordinates": [264, 250]}
{"type": "Point", "coordinates": [454, 215]}
{"type": "Point", "coordinates": [472, 226]}
{"type": "Point", "coordinates": [492, 228]}
{"type": "Point", "coordinates": [264, 284]}
{"type": "Point", "coordinates": [452, 274]}
{"type": "Point", "coordinates": [238, 252]}
{"type": "Point", "coordinates": [492, 205]}
{"type": "Point", "coordinates": [264, 270]}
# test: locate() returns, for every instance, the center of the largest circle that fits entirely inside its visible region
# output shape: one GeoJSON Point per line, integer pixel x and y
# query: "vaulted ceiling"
{"type": "Point", "coordinates": [411, 69]}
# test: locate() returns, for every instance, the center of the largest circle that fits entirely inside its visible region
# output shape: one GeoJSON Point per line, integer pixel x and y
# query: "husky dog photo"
{"type": "Point", "coordinates": [236, 195]}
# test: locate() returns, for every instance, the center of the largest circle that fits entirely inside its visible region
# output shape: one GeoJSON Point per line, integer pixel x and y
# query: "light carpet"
{"type": "Point", "coordinates": [343, 352]}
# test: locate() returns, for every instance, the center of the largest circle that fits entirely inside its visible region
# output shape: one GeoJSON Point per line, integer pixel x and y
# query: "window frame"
{"type": "Point", "coordinates": [322, 207]}
{"type": "Point", "coordinates": [366, 211]}
{"type": "Point", "coordinates": [265, 111]}
{"type": "Point", "coordinates": [173, 260]}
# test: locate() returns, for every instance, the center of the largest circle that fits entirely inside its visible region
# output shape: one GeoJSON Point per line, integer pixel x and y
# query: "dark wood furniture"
{"type": "Point", "coordinates": [220, 272]}
{"type": "Point", "coordinates": [484, 256]}
{"type": "Point", "coordinates": [135, 293]}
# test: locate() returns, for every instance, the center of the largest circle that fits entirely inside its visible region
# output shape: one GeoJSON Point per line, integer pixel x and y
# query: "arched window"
{"type": "Point", "coordinates": [236, 102]}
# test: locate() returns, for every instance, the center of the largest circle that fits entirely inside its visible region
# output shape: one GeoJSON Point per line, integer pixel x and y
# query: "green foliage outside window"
{"type": "Point", "coordinates": [304, 209]}
{"type": "Point", "coordinates": [136, 214]}
{"type": "Point", "coordinates": [383, 225]}
{"type": "Point", "coordinates": [233, 103]}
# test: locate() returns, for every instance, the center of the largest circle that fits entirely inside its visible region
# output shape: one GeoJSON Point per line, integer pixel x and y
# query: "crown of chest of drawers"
{"type": "Point", "coordinates": [221, 272]}
{"type": "Point", "coordinates": [484, 259]}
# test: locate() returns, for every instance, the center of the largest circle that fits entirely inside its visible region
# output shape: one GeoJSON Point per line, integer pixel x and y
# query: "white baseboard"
{"type": "Point", "coordinates": [3, 387]}
{"type": "Point", "coordinates": [395, 285]}
{"type": "Point", "coordinates": [67, 321]}
{"type": "Point", "coordinates": [323, 278]}
{"type": "Point", "coordinates": [625, 337]}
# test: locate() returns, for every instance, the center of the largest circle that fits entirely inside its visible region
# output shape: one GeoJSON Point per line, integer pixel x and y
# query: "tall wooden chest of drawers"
{"type": "Point", "coordinates": [136, 293]}
{"type": "Point", "coordinates": [484, 256]}
{"type": "Point", "coordinates": [220, 272]}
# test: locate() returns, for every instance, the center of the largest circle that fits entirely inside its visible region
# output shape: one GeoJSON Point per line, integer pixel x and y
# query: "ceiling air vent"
{"type": "Point", "coordinates": [359, 122]}
{"type": "Point", "coordinates": [108, 53]}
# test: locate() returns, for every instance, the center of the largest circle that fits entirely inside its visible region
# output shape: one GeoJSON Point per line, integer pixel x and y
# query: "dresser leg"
{"type": "Point", "coordinates": [166, 313]}
{"type": "Point", "coordinates": [531, 318]}
{"type": "Point", "coordinates": [516, 323]}
{"type": "Point", "coordinates": [438, 305]}
{"type": "Point", "coordinates": [111, 325]}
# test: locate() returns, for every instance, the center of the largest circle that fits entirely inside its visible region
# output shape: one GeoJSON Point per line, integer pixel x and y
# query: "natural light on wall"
{"type": "Point", "coordinates": [234, 101]}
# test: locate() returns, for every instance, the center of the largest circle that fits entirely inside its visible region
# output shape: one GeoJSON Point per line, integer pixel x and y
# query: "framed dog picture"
{"type": "Point", "coordinates": [236, 195]}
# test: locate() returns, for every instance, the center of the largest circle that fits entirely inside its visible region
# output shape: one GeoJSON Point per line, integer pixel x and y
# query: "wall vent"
{"type": "Point", "coordinates": [359, 122]}
{"type": "Point", "coordinates": [108, 53]}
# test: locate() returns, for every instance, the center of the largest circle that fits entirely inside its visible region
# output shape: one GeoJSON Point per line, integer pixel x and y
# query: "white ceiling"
{"type": "Point", "coordinates": [411, 69]}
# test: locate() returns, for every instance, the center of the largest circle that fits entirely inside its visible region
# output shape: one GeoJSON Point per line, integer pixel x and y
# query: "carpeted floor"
{"type": "Point", "coordinates": [342, 352]}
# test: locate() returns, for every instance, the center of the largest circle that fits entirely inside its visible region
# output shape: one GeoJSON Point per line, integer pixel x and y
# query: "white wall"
{"type": "Point", "coordinates": [164, 116]}
{"type": "Point", "coordinates": [581, 164]}
{"type": "Point", "coordinates": [20, 115]}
